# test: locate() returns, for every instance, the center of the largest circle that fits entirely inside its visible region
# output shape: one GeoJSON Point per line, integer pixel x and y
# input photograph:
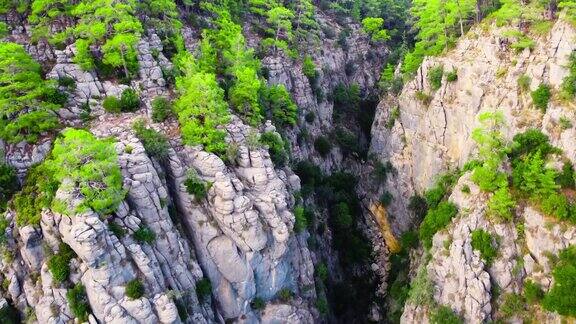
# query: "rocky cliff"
{"type": "Point", "coordinates": [425, 132]}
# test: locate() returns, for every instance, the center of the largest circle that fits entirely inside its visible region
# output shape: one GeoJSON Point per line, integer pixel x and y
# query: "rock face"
{"type": "Point", "coordinates": [428, 139]}
{"type": "Point", "coordinates": [431, 138]}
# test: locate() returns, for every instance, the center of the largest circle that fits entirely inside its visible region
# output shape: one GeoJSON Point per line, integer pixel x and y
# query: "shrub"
{"type": "Point", "coordinates": [348, 142]}
{"type": "Point", "coordinates": [155, 144]}
{"type": "Point", "coordinates": [482, 242]}
{"type": "Point", "coordinates": [67, 82]}
{"type": "Point", "coordinates": [452, 76]}
{"type": "Point", "coordinates": [435, 77]}
{"type": "Point", "coordinates": [78, 302]}
{"type": "Point", "coordinates": [92, 164]}
{"type": "Point", "coordinates": [8, 184]}
{"type": "Point", "coordinates": [386, 198]}
{"type": "Point", "coordinates": [513, 305]}
{"type": "Point", "coordinates": [346, 98]}
{"type": "Point", "coordinates": [435, 220]}
{"type": "Point", "coordinates": [566, 178]}
{"type": "Point", "coordinates": [524, 82]}
{"type": "Point", "coordinates": [161, 109]}
{"type": "Point", "coordinates": [560, 298]}
{"type": "Point", "coordinates": [10, 315]}
{"type": "Point", "coordinates": [423, 97]}
{"type": "Point", "coordinates": [322, 305]}
{"type": "Point", "coordinates": [309, 69]}
{"type": "Point", "coordinates": [118, 230]}
{"type": "Point", "coordinates": [531, 141]}
{"type": "Point", "coordinates": [279, 104]}
{"type": "Point", "coordinates": [275, 147]}
{"type": "Point", "coordinates": [144, 234]}
{"type": "Point", "coordinates": [301, 222]}
{"type": "Point", "coordinates": [381, 171]}
{"type": "Point", "coordinates": [195, 186]}
{"type": "Point", "coordinates": [59, 263]}
{"type": "Point", "coordinates": [569, 82]}
{"type": "Point", "coordinates": [533, 292]}
{"type": "Point", "coordinates": [309, 117]}
{"type": "Point", "coordinates": [134, 289]}
{"type": "Point", "coordinates": [445, 315]}
{"type": "Point", "coordinates": [203, 289]}
{"type": "Point", "coordinates": [38, 192]}
{"type": "Point", "coordinates": [322, 271]}
{"type": "Point", "coordinates": [394, 115]}
{"type": "Point", "coordinates": [541, 96]}
{"type": "Point", "coordinates": [421, 288]}
{"type": "Point", "coordinates": [129, 101]}
{"type": "Point", "coordinates": [342, 214]}
{"type": "Point", "coordinates": [285, 294]}
{"type": "Point", "coordinates": [565, 123]}
{"type": "Point", "coordinates": [418, 206]}
{"type": "Point", "coordinates": [258, 303]}
{"type": "Point", "coordinates": [501, 204]}
{"type": "Point", "coordinates": [112, 105]}
{"type": "Point", "coordinates": [322, 146]}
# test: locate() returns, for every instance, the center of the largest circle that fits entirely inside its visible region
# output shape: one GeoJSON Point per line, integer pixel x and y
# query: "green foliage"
{"type": "Point", "coordinates": [343, 218]}
{"type": "Point", "coordinates": [59, 263]}
{"type": "Point", "coordinates": [394, 115]}
{"type": "Point", "coordinates": [155, 144]}
{"type": "Point", "coordinates": [285, 294]}
{"type": "Point", "coordinates": [452, 76]}
{"type": "Point", "coordinates": [531, 177]}
{"type": "Point", "coordinates": [346, 97]}
{"type": "Point", "coordinates": [258, 303]}
{"type": "Point", "coordinates": [279, 104]}
{"type": "Point", "coordinates": [533, 292]}
{"type": "Point", "coordinates": [381, 171]}
{"type": "Point", "coordinates": [386, 198]}
{"type": "Point", "coordinates": [565, 123]}
{"type": "Point", "coordinates": [129, 101]}
{"type": "Point", "coordinates": [373, 27]}
{"type": "Point", "coordinates": [513, 305]}
{"type": "Point", "coordinates": [445, 315]}
{"type": "Point", "coordinates": [438, 23]}
{"type": "Point", "coordinates": [531, 141]}
{"type": "Point", "coordinates": [276, 148]}
{"type": "Point", "coordinates": [118, 230]}
{"type": "Point", "coordinates": [567, 178]}
{"type": "Point", "coordinates": [541, 96]}
{"type": "Point", "coordinates": [195, 186]}
{"type": "Point", "coordinates": [483, 242]}
{"type": "Point", "coordinates": [501, 204]}
{"type": "Point", "coordinates": [421, 288]}
{"type": "Point", "coordinates": [309, 69]}
{"type": "Point", "coordinates": [436, 219]}
{"type": "Point", "coordinates": [201, 108]}
{"type": "Point", "coordinates": [522, 41]}
{"type": "Point", "coordinates": [203, 289]}
{"type": "Point", "coordinates": [322, 271]}
{"type": "Point", "coordinates": [301, 222]}
{"type": "Point", "coordinates": [9, 315]}
{"type": "Point", "coordinates": [78, 302]}
{"type": "Point", "coordinates": [348, 142]}
{"type": "Point", "coordinates": [111, 25]}
{"type": "Point", "coordinates": [161, 109]}
{"type": "Point", "coordinates": [561, 298]}
{"type": "Point", "coordinates": [524, 82]}
{"type": "Point", "coordinates": [112, 105]}
{"type": "Point", "coordinates": [322, 146]}
{"type": "Point", "coordinates": [37, 193]}
{"type": "Point", "coordinates": [91, 165]}
{"type": "Point", "coordinates": [389, 82]}
{"type": "Point", "coordinates": [134, 289]}
{"type": "Point", "coordinates": [569, 82]}
{"type": "Point", "coordinates": [144, 234]}
{"type": "Point", "coordinates": [27, 102]}
{"type": "Point", "coordinates": [8, 184]}
{"type": "Point", "coordinates": [435, 77]}
{"type": "Point", "coordinates": [423, 97]}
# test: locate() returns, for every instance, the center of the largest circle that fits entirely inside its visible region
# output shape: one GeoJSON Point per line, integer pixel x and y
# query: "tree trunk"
{"type": "Point", "coordinates": [124, 61]}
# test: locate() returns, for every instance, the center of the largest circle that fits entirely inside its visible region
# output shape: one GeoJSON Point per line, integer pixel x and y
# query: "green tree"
{"type": "Point", "coordinates": [244, 94]}
{"type": "Point", "coordinates": [373, 27]}
{"type": "Point", "coordinates": [91, 166]}
{"type": "Point", "coordinates": [111, 24]}
{"type": "Point", "coordinates": [279, 104]}
{"type": "Point", "coordinates": [561, 298]}
{"type": "Point", "coordinates": [280, 18]}
{"type": "Point", "coordinates": [26, 109]}
{"type": "Point", "coordinates": [201, 108]}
